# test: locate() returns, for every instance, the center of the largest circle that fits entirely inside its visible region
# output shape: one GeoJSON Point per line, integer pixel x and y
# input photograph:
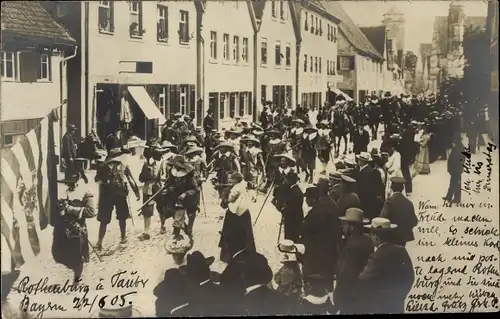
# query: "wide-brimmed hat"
{"type": "Point", "coordinates": [273, 133]}
{"type": "Point", "coordinates": [194, 150]}
{"type": "Point", "coordinates": [179, 165]}
{"type": "Point", "coordinates": [312, 192]}
{"type": "Point", "coordinates": [297, 120]}
{"type": "Point", "coordinates": [381, 224]}
{"type": "Point", "coordinates": [234, 131]}
{"type": "Point", "coordinates": [173, 281]}
{"type": "Point", "coordinates": [256, 270]}
{"type": "Point", "coordinates": [116, 151]}
{"type": "Point", "coordinates": [166, 145]}
{"type": "Point", "coordinates": [323, 124]}
{"type": "Point", "coordinates": [286, 156]}
{"type": "Point", "coordinates": [197, 266]}
{"type": "Point", "coordinates": [336, 176]}
{"type": "Point", "coordinates": [387, 94]}
{"type": "Point", "coordinates": [364, 156]}
{"type": "Point", "coordinates": [257, 131]}
{"type": "Point", "coordinates": [135, 142]}
{"type": "Point", "coordinates": [310, 129]}
{"type": "Point", "coordinates": [250, 138]}
{"type": "Point", "coordinates": [289, 247]}
{"type": "Point", "coordinates": [225, 145]}
{"type": "Point", "coordinates": [354, 215]}
{"type": "Point", "coordinates": [347, 179]}
{"type": "Point", "coordinates": [191, 139]}
{"type": "Point", "coordinates": [115, 311]}
{"type": "Point", "coordinates": [397, 180]}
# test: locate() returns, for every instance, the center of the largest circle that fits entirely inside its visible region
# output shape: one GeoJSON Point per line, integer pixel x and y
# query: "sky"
{"type": "Point", "coordinates": [419, 16]}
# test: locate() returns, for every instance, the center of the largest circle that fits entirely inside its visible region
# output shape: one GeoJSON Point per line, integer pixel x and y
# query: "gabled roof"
{"type": "Point", "coordinates": [27, 21]}
{"type": "Point", "coordinates": [376, 35]}
{"type": "Point", "coordinates": [475, 22]}
{"type": "Point", "coordinates": [352, 32]}
{"type": "Point", "coordinates": [440, 36]}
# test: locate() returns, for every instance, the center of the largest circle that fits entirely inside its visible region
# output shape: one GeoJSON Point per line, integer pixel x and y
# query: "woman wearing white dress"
{"type": "Point", "coordinates": [393, 167]}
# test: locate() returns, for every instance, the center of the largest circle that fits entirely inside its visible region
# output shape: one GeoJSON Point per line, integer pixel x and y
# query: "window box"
{"type": "Point", "coordinates": [135, 15]}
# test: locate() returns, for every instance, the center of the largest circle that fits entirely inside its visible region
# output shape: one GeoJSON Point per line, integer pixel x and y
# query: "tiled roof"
{"type": "Point", "coordinates": [28, 20]}
{"type": "Point", "coordinates": [376, 35]}
{"type": "Point", "coordinates": [353, 33]}
{"type": "Point", "coordinates": [475, 22]}
{"type": "Point", "coordinates": [440, 37]}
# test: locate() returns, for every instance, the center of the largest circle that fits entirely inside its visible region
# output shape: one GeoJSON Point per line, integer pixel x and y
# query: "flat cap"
{"type": "Point", "coordinates": [397, 180]}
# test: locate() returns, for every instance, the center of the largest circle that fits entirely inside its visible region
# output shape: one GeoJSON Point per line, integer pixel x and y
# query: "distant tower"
{"type": "Point", "coordinates": [394, 21]}
{"type": "Point", "coordinates": [456, 19]}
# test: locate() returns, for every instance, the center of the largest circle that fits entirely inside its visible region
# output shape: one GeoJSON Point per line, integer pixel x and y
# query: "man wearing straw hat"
{"type": "Point", "coordinates": [288, 279]}
{"type": "Point", "coordinates": [352, 260]}
{"type": "Point", "coordinates": [388, 276]}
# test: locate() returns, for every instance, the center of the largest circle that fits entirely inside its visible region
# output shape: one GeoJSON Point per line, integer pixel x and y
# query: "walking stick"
{"type": "Point", "coordinates": [264, 203]}
{"type": "Point", "coordinates": [93, 249]}
{"type": "Point", "coordinates": [281, 227]}
{"type": "Point", "coordinates": [203, 201]}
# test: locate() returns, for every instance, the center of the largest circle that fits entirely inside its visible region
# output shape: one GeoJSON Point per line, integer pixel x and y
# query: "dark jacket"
{"type": "Point", "coordinates": [352, 260]}
{"type": "Point", "coordinates": [346, 201]}
{"type": "Point", "coordinates": [386, 280]}
{"type": "Point", "coordinates": [68, 147]}
{"type": "Point", "coordinates": [360, 141]}
{"type": "Point", "coordinates": [205, 300]}
{"type": "Point", "coordinates": [335, 234]}
{"type": "Point", "coordinates": [293, 213]}
{"type": "Point", "coordinates": [232, 283]}
{"type": "Point", "coordinates": [369, 185]}
{"type": "Point", "coordinates": [400, 211]}
{"type": "Point", "coordinates": [265, 301]}
{"type": "Point", "coordinates": [456, 160]}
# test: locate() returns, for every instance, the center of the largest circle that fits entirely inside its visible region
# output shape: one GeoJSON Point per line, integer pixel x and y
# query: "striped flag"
{"type": "Point", "coordinates": [28, 178]}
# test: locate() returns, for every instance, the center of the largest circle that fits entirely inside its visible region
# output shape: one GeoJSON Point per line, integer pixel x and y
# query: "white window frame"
{"type": "Point", "coordinates": [4, 65]}
{"type": "Point", "coordinates": [273, 9]}
{"type": "Point", "coordinates": [213, 45]}
{"type": "Point", "coordinates": [344, 63]}
{"type": "Point", "coordinates": [184, 20]}
{"type": "Point", "coordinates": [47, 66]}
{"type": "Point", "coordinates": [225, 47]}
{"type": "Point", "coordinates": [162, 17]}
{"type": "Point", "coordinates": [183, 99]}
{"type": "Point", "coordinates": [135, 16]}
{"type": "Point", "coordinates": [106, 5]}
{"type": "Point", "coordinates": [162, 97]}
{"type": "Point", "coordinates": [264, 41]}
{"type": "Point", "coordinates": [236, 48]}
{"type": "Point", "coordinates": [247, 104]}
{"type": "Point", "coordinates": [280, 63]}
{"type": "Point", "coordinates": [288, 63]}
{"type": "Point", "coordinates": [10, 144]}
{"type": "Point", "coordinates": [282, 10]}
{"type": "Point", "coordinates": [244, 53]}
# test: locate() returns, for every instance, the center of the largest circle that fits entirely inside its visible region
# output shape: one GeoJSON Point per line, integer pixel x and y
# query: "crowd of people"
{"type": "Point", "coordinates": [345, 255]}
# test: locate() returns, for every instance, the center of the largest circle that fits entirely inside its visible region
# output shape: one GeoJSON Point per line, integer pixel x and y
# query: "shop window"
{"type": "Point", "coordinates": [242, 104]}
{"type": "Point", "coordinates": [183, 99]}
{"type": "Point", "coordinates": [232, 105]}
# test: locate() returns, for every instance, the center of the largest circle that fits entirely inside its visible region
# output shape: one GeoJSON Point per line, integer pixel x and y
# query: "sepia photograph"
{"type": "Point", "coordinates": [208, 158]}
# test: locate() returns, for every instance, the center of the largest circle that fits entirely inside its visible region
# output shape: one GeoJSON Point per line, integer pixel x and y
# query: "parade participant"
{"type": "Point", "coordinates": [400, 211]}
{"type": "Point", "coordinates": [353, 258]}
{"type": "Point", "coordinates": [295, 137]}
{"type": "Point", "coordinates": [181, 191]}
{"type": "Point", "coordinates": [374, 113]}
{"type": "Point", "coordinates": [188, 143]}
{"type": "Point", "coordinates": [407, 149]}
{"type": "Point", "coordinates": [316, 237]}
{"type": "Point", "coordinates": [316, 300]}
{"type": "Point", "coordinates": [289, 201]}
{"type": "Point", "coordinates": [324, 145]}
{"type": "Point", "coordinates": [386, 110]}
{"type": "Point", "coordinates": [208, 122]}
{"type": "Point", "coordinates": [168, 133]}
{"type": "Point", "coordinates": [335, 186]}
{"type": "Point", "coordinates": [167, 151]}
{"type": "Point", "coordinates": [422, 165]}
{"type": "Point", "coordinates": [194, 156]}
{"type": "Point", "coordinates": [148, 176]}
{"type": "Point", "coordinates": [455, 169]}
{"type": "Point", "coordinates": [68, 153]}
{"type": "Point", "coordinates": [189, 123]}
{"type": "Point", "coordinates": [369, 185]}
{"type": "Point", "coordinates": [113, 177]}
{"type": "Point", "coordinates": [348, 198]}
{"type": "Point", "coordinates": [198, 133]}
{"type": "Point", "coordinates": [310, 138]}
{"type": "Point", "coordinates": [255, 160]}
{"type": "Point", "coordinates": [237, 232]}
{"type": "Point", "coordinates": [225, 163]}
{"type": "Point", "coordinates": [234, 137]}
{"type": "Point", "coordinates": [393, 165]}
{"type": "Point", "coordinates": [275, 147]}
{"type": "Point", "coordinates": [288, 279]}
{"type": "Point", "coordinates": [360, 139]}
{"type": "Point", "coordinates": [70, 246]}
{"type": "Point", "coordinates": [388, 276]}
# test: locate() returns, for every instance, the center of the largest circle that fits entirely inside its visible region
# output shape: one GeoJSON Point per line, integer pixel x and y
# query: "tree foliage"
{"type": "Point", "coordinates": [411, 61]}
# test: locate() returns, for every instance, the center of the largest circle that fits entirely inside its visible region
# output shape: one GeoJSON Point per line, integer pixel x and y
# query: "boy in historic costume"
{"type": "Point", "coordinates": [296, 141]}
{"type": "Point", "coordinates": [324, 145]}
{"type": "Point", "coordinates": [255, 160]}
{"type": "Point", "coordinates": [275, 146]}
{"type": "Point", "coordinates": [149, 176]}
{"type": "Point", "coordinates": [226, 162]}
{"type": "Point", "coordinates": [113, 177]}
{"type": "Point", "coordinates": [194, 156]}
{"type": "Point", "coordinates": [310, 138]}
{"type": "Point", "coordinates": [167, 151]}
{"type": "Point", "coordinates": [233, 137]}
{"type": "Point", "coordinates": [70, 245]}
{"type": "Point", "coordinates": [286, 164]}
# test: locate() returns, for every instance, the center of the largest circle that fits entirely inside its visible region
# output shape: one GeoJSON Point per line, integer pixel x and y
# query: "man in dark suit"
{"type": "Point", "coordinates": [259, 298]}
{"type": "Point", "coordinates": [292, 211]}
{"type": "Point", "coordinates": [68, 154]}
{"type": "Point", "coordinates": [360, 139]}
{"type": "Point", "coordinates": [335, 186]}
{"type": "Point", "coordinates": [352, 260]}
{"type": "Point", "coordinates": [455, 169]}
{"type": "Point", "coordinates": [233, 284]}
{"type": "Point", "coordinates": [400, 211]}
{"type": "Point", "coordinates": [406, 147]}
{"type": "Point", "coordinates": [348, 198]}
{"type": "Point", "coordinates": [388, 276]}
{"type": "Point", "coordinates": [369, 185]}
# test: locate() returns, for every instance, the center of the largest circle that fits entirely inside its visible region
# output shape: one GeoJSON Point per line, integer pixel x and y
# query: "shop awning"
{"type": "Point", "coordinates": [146, 104]}
{"type": "Point", "coordinates": [339, 92]}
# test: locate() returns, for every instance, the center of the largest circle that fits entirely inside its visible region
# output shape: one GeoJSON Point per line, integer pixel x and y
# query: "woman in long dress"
{"type": "Point", "coordinates": [422, 165]}
{"type": "Point", "coordinates": [237, 232]}
{"type": "Point", "coordinates": [393, 166]}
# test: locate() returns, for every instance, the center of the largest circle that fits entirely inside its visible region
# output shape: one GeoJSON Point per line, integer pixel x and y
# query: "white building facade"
{"type": "Point", "coordinates": [316, 65]}
{"type": "Point", "coordinates": [228, 32]}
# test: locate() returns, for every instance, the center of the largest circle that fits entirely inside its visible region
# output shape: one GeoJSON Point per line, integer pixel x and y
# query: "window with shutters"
{"type": "Point", "coordinates": [135, 19]}
{"type": "Point", "coordinates": [249, 103]}
{"type": "Point", "coordinates": [329, 32]}
{"type": "Point", "coordinates": [236, 49]}
{"type": "Point", "coordinates": [305, 63]}
{"type": "Point", "coordinates": [334, 38]}
{"type": "Point", "coordinates": [8, 65]}
{"type": "Point", "coordinates": [288, 55]}
{"type": "Point", "coordinates": [312, 24]}
{"type": "Point", "coordinates": [315, 64]}
{"type": "Point", "coordinates": [344, 63]}
{"type": "Point", "coordinates": [224, 97]}
{"type": "Point", "coordinates": [327, 67]}
{"type": "Point", "coordinates": [162, 100]}
{"type": "Point", "coordinates": [232, 105]}
{"type": "Point", "coordinates": [225, 46]}
{"type": "Point", "coordinates": [244, 54]}
{"type": "Point", "coordinates": [183, 99]}
{"type": "Point", "coordinates": [213, 45]}
{"type": "Point", "coordinates": [44, 68]}
{"type": "Point", "coordinates": [278, 54]}
{"type": "Point", "coordinates": [105, 16]}
{"type": "Point", "coordinates": [242, 104]}
{"type": "Point", "coordinates": [333, 68]}
{"type": "Point", "coordinates": [263, 51]}
{"type": "Point", "coordinates": [162, 23]}
{"type": "Point", "coordinates": [184, 36]}
{"type": "Point", "coordinates": [29, 66]}
{"type": "Point", "coordinates": [320, 32]}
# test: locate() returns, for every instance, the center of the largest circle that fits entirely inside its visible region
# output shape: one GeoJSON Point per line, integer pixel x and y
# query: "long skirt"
{"type": "Point", "coordinates": [422, 165]}
{"type": "Point", "coordinates": [236, 234]}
